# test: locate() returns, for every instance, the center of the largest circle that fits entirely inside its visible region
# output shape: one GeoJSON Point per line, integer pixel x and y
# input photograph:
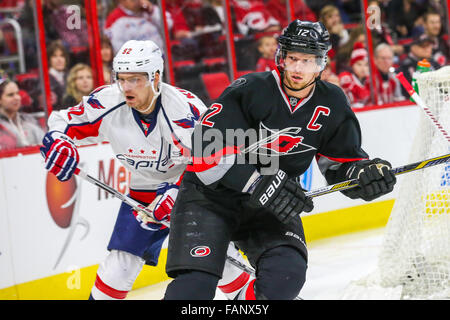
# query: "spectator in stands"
{"type": "Point", "coordinates": [403, 16]}
{"type": "Point", "coordinates": [198, 27]}
{"type": "Point", "coordinates": [195, 17]}
{"type": "Point", "coordinates": [17, 129]}
{"type": "Point", "coordinates": [216, 5]}
{"type": "Point", "coordinates": [381, 30]}
{"type": "Point", "coordinates": [387, 86]}
{"type": "Point", "coordinates": [60, 25]}
{"type": "Point", "coordinates": [58, 60]}
{"type": "Point", "coordinates": [342, 58]}
{"type": "Point", "coordinates": [135, 20]}
{"type": "Point", "coordinates": [79, 83]}
{"type": "Point", "coordinates": [350, 10]}
{"type": "Point", "coordinates": [267, 47]}
{"type": "Point", "coordinates": [329, 75]}
{"type": "Point", "coordinates": [107, 54]}
{"type": "Point", "coordinates": [420, 48]}
{"type": "Point", "coordinates": [317, 5]}
{"type": "Point", "coordinates": [438, 6]}
{"type": "Point", "coordinates": [180, 29]}
{"type": "Point", "coordinates": [331, 18]}
{"type": "Point", "coordinates": [354, 83]}
{"type": "Point", "coordinates": [26, 21]}
{"type": "Point", "coordinates": [433, 28]}
{"type": "Point", "coordinates": [253, 17]}
{"type": "Point", "coordinates": [300, 8]}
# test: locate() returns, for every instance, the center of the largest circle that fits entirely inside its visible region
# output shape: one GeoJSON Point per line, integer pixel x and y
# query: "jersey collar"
{"type": "Point", "coordinates": [147, 126]}
{"type": "Point", "coordinates": [301, 102]}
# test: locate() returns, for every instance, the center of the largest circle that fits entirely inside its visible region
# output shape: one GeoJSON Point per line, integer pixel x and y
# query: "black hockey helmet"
{"type": "Point", "coordinates": [306, 37]}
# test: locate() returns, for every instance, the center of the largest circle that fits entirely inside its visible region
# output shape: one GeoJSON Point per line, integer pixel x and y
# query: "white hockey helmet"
{"type": "Point", "coordinates": [139, 56]}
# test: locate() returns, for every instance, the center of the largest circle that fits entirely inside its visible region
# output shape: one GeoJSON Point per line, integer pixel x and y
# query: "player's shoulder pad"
{"type": "Point", "coordinates": [182, 108]}
{"type": "Point", "coordinates": [336, 96]}
{"type": "Point", "coordinates": [248, 85]}
{"type": "Point", "coordinates": [251, 80]}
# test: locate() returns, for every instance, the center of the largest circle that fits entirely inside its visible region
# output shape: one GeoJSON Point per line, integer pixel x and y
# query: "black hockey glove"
{"type": "Point", "coordinates": [281, 196]}
{"type": "Point", "coordinates": [374, 178]}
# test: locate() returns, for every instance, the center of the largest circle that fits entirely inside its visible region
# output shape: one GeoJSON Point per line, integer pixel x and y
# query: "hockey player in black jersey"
{"type": "Point", "coordinates": [243, 190]}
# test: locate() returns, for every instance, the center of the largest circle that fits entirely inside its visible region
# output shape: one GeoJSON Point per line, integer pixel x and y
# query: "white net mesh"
{"type": "Point", "coordinates": [414, 261]}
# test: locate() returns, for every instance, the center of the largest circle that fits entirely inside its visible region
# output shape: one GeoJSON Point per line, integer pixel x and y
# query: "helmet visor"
{"type": "Point", "coordinates": [131, 82]}
{"type": "Point", "coordinates": [299, 62]}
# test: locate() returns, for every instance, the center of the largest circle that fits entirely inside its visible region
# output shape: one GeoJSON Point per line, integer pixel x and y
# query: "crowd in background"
{"type": "Point", "coordinates": [403, 32]}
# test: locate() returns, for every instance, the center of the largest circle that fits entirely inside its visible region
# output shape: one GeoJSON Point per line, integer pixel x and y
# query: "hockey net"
{"type": "Point", "coordinates": [414, 260]}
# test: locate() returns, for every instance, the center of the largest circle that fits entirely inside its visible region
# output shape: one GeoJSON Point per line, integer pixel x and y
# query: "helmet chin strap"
{"type": "Point", "coordinates": [155, 96]}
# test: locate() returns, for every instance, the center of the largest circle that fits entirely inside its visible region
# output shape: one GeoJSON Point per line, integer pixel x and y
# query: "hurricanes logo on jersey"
{"type": "Point", "coordinates": [281, 142]}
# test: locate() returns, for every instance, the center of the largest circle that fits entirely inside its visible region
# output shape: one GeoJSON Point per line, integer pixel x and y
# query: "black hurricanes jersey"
{"type": "Point", "coordinates": [277, 129]}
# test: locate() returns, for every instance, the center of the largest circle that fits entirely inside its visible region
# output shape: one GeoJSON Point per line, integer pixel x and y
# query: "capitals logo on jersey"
{"type": "Point", "coordinates": [93, 101]}
{"type": "Point", "coordinates": [191, 118]}
{"type": "Point", "coordinates": [280, 142]}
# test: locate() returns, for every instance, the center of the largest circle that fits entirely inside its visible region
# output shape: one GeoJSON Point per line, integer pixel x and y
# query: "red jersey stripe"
{"type": "Point", "coordinates": [204, 163]}
{"type": "Point", "coordinates": [83, 131]}
{"type": "Point", "coordinates": [143, 196]}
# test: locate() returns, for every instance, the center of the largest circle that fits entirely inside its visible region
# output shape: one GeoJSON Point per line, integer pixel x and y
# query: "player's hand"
{"type": "Point", "coordinates": [60, 154]}
{"type": "Point", "coordinates": [374, 179]}
{"type": "Point", "coordinates": [161, 207]}
{"type": "Point", "coordinates": [281, 196]}
{"type": "Point", "coordinates": [168, 194]}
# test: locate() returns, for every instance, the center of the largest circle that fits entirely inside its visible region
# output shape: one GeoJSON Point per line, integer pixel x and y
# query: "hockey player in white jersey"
{"type": "Point", "coordinates": [148, 124]}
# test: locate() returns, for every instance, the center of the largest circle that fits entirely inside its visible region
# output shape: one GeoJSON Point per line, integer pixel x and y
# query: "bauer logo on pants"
{"type": "Point", "coordinates": [200, 251]}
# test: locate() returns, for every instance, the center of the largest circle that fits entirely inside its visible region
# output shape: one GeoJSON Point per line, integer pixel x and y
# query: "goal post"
{"type": "Point", "coordinates": [414, 260]}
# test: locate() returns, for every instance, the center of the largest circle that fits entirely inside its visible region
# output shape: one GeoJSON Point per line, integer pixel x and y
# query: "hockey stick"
{"type": "Point", "coordinates": [314, 193]}
{"type": "Point", "coordinates": [139, 207]}
{"type": "Point", "coordinates": [408, 87]}
{"type": "Point", "coordinates": [318, 192]}
{"type": "Point", "coordinates": [344, 185]}
{"type": "Point", "coordinates": [354, 183]}
{"type": "Point", "coordinates": [131, 202]}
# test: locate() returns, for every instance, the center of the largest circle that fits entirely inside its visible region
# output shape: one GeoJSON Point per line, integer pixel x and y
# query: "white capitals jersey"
{"type": "Point", "coordinates": [152, 152]}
